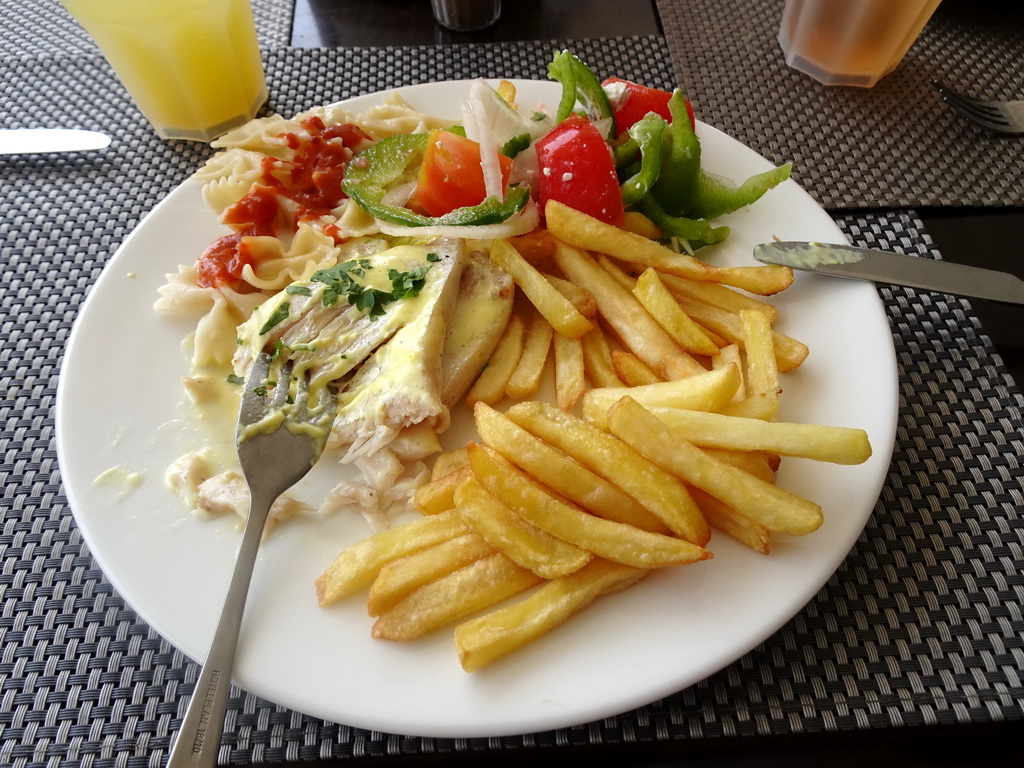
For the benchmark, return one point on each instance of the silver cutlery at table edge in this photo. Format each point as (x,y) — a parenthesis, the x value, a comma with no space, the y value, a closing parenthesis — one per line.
(1000,116)
(894,269)
(26,141)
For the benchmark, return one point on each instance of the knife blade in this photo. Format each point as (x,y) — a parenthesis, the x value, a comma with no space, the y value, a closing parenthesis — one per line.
(17,141)
(894,269)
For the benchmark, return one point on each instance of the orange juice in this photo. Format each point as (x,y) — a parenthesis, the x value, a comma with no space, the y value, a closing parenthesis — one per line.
(192,66)
(851,42)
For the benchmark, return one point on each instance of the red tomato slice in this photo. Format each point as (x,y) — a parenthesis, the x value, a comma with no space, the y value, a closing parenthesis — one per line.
(451,176)
(577,168)
(638,100)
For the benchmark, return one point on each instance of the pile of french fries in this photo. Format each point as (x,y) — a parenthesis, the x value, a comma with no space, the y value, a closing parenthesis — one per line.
(664,427)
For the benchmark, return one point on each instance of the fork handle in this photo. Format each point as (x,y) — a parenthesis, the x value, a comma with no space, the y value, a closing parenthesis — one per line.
(199,736)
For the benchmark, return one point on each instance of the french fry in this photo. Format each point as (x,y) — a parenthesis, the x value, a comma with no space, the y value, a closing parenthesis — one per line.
(758,463)
(490,385)
(448,462)
(487,638)
(536,247)
(762,370)
(400,577)
(580,297)
(730,355)
(450,598)
(612,541)
(525,379)
(789,353)
(767,504)
(570,380)
(615,269)
(721,296)
(357,566)
(436,496)
(662,306)
(837,445)
(707,391)
(597,359)
(587,233)
(730,522)
(562,474)
(633,371)
(753,407)
(662,493)
(638,224)
(521,542)
(557,309)
(635,327)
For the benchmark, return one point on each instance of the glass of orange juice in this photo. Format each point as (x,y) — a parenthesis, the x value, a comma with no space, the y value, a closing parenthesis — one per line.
(851,42)
(193,67)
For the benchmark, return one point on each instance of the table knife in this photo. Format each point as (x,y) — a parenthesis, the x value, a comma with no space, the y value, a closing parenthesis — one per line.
(17,141)
(894,269)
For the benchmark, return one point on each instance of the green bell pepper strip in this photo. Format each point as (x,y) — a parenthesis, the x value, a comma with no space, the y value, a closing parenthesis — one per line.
(369,173)
(676,188)
(626,151)
(579,83)
(648,133)
(716,198)
(696,232)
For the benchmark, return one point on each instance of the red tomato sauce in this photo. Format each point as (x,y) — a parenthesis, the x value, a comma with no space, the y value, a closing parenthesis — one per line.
(311,180)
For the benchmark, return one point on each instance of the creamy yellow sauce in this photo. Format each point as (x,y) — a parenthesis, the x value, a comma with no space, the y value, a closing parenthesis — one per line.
(127,480)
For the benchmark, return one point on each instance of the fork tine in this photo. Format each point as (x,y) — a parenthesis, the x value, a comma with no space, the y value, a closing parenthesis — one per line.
(985,114)
(283,386)
(968,103)
(302,393)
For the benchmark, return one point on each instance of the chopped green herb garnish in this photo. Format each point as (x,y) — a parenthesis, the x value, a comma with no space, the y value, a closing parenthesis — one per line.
(408,284)
(537,116)
(235,379)
(339,282)
(301,290)
(277,316)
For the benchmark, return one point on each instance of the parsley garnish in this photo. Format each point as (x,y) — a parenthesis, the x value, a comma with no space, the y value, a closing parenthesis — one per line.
(279,314)
(339,281)
(234,379)
(408,284)
(298,289)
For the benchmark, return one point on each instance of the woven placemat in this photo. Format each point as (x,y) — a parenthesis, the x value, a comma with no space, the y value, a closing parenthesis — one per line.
(922,623)
(894,145)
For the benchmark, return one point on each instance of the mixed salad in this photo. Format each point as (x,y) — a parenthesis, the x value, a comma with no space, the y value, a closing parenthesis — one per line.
(608,148)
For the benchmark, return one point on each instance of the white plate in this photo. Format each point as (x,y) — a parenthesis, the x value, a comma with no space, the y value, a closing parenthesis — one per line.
(118,404)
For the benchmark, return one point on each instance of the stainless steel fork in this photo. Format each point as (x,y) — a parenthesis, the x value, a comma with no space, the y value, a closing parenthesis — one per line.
(280,436)
(999,116)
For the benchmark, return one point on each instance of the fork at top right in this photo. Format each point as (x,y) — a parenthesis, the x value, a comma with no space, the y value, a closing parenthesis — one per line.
(1005,117)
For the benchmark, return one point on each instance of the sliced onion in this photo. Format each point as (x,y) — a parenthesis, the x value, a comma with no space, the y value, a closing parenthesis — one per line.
(399,195)
(520,223)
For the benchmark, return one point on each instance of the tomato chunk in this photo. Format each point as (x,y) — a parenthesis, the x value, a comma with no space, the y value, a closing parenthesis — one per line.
(451,175)
(577,168)
(637,101)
